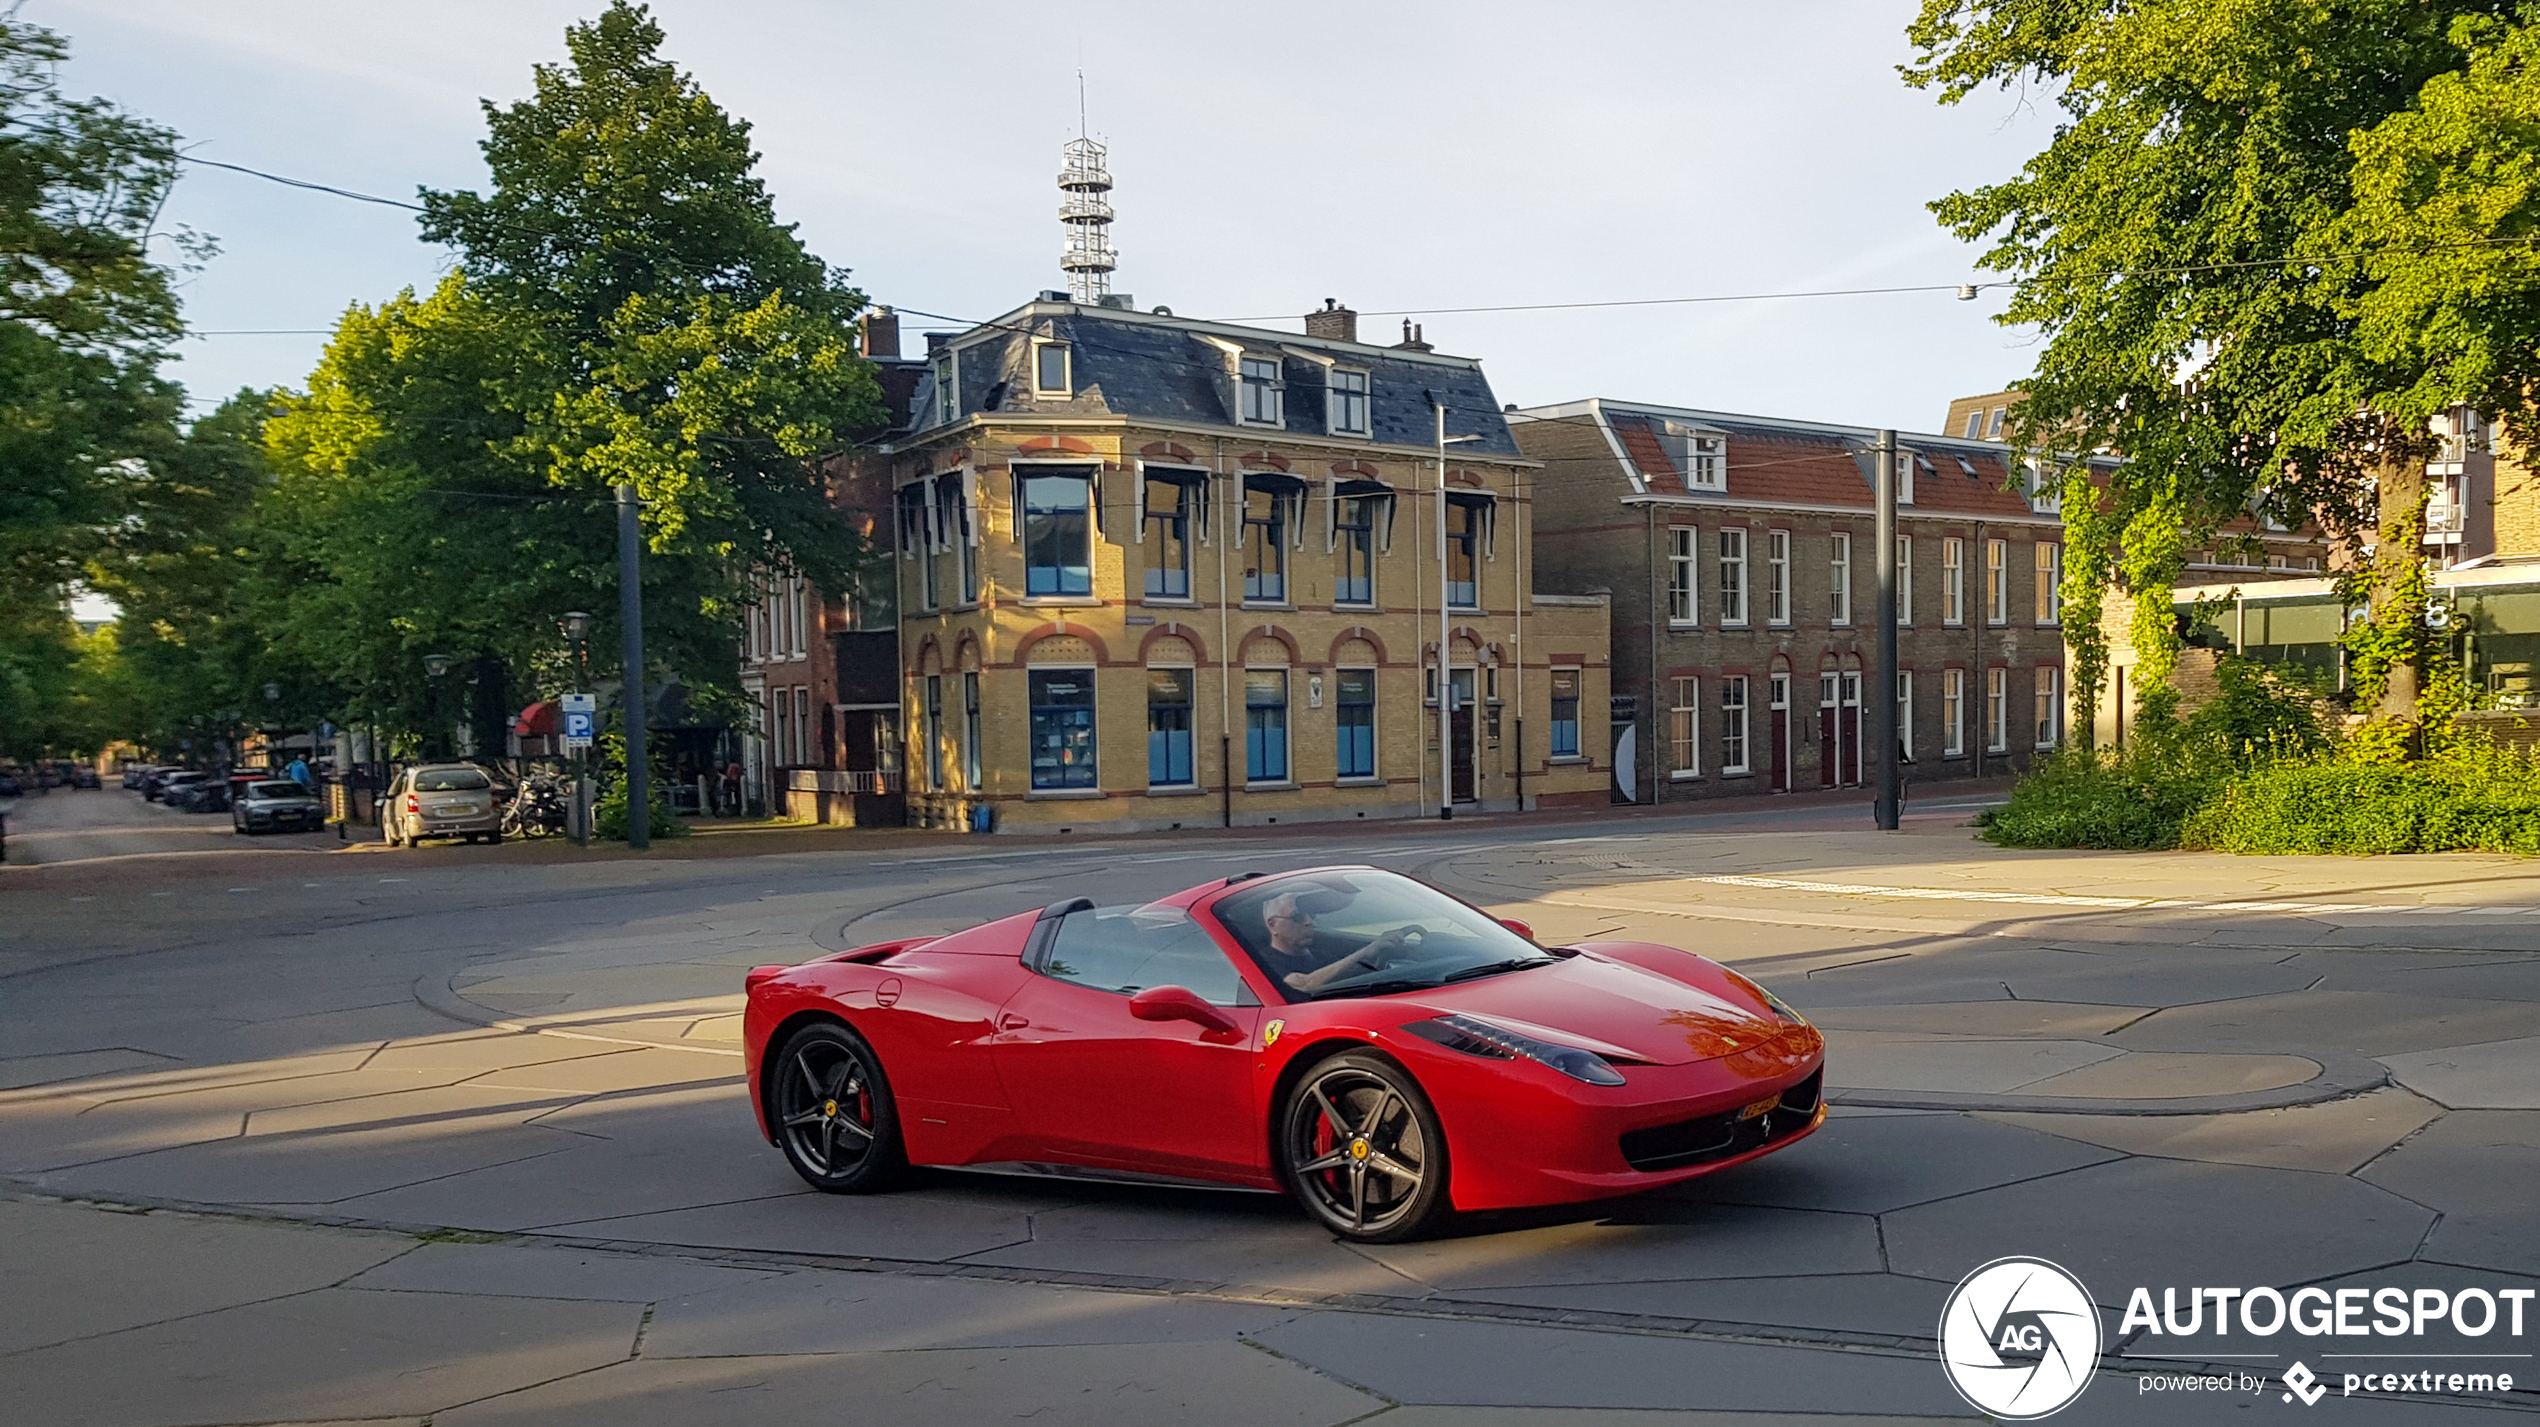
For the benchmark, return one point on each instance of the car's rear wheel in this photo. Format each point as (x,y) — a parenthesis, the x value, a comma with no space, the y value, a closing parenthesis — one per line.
(833,1111)
(1361,1148)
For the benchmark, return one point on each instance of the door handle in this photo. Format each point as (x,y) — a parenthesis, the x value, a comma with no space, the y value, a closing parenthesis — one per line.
(1011,1022)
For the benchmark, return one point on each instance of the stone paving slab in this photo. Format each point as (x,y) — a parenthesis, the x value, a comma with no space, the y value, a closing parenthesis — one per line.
(2049,1019)
(1146,1385)
(2217,1224)
(333,1353)
(1858,1302)
(530,1271)
(72,1271)
(1644,1239)
(2333,1137)
(1445,1363)
(1890,1060)
(2157,1075)
(2497,1075)
(871,1313)
(2478,1167)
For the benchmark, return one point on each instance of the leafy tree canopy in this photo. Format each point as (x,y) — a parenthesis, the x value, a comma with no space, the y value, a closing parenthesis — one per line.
(2269,241)
(626,310)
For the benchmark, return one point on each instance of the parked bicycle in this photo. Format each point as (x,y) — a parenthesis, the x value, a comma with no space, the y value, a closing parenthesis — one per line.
(539,809)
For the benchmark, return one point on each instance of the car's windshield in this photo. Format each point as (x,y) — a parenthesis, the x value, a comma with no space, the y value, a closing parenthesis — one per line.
(1367,933)
(449,780)
(277,790)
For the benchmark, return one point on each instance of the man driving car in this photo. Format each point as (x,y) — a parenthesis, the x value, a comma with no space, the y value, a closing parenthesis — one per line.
(1299,956)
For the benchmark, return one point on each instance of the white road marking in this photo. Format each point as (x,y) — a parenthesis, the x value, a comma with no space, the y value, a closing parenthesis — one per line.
(2059,899)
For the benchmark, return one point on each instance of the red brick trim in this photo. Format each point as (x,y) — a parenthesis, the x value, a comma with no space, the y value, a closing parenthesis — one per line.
(1174,630)
(1076,445)
(1168,450)
(1023,646)
(1270,459)
(1332,655)
(1272,633)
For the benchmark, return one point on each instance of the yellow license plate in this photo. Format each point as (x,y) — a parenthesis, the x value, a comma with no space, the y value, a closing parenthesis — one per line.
(1760,1107)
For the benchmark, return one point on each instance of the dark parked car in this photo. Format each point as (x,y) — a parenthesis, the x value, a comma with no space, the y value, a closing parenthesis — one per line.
(85,777)
(177,785)
(9,786)
(154,783)
(276,805)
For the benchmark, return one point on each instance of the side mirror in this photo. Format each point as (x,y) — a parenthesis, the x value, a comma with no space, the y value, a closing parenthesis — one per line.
(1179,1003)
(1520,928)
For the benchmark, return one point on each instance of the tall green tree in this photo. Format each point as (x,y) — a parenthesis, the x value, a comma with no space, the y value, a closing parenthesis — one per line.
(2232,244)
(626,309)
(87,308)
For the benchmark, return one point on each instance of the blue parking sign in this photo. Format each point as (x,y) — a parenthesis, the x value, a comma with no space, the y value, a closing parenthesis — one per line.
(577,725)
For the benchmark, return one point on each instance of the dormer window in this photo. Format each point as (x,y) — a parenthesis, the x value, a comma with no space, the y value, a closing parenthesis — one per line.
(1703,456)
(1349,403)
(1051,375)
(1261,395)
(947,388)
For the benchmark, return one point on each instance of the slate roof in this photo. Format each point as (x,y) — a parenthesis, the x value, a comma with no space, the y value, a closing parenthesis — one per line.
(1163,368)
(1781,461)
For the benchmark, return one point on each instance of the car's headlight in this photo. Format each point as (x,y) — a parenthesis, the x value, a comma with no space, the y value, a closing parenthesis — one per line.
(1780,1007)
(1477,1037)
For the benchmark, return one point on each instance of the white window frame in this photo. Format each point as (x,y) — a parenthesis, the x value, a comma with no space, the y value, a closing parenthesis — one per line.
(1975,424)
(2050,705)
(1904,715)
(1777,577)
(1272,392)
(1953,713)
(1703,456)
(2050,583)
(1993,428)
(1997,708)
(1041,346)
(1953,581)
(1736,747)
(1733,590)
(947,387)
(1366,399)
(1839,579)
(1906,462)
(1684,750)
(1684,576)
(1997,583)
(1904,581)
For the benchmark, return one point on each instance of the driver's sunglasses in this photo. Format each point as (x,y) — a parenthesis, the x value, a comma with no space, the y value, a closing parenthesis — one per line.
(1300,917)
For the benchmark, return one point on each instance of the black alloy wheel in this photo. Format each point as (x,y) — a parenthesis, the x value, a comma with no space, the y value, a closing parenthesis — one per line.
(1361,1148)
(833,1111)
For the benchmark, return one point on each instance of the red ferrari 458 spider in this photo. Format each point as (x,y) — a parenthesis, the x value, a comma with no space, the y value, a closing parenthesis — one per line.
(1380,1050)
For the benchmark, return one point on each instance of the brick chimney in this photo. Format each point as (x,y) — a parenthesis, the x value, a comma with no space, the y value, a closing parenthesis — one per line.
(1412,340)
(881,334)
(1334,322)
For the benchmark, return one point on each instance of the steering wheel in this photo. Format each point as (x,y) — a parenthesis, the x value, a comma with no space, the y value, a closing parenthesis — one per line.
(1402,939)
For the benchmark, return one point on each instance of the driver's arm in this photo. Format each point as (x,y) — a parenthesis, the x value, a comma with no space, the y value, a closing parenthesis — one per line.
(1314,980)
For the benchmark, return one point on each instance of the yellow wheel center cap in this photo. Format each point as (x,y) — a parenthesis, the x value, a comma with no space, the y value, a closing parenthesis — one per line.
(1360,1149)
(829,1109)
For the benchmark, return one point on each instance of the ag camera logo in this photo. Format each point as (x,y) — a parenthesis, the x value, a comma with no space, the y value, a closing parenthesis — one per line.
(2019,1338)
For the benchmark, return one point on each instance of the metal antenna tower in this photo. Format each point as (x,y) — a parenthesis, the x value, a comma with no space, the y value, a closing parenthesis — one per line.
(1085,212)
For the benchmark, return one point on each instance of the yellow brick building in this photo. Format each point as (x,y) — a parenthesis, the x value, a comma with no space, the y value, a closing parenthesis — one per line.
(1156,574)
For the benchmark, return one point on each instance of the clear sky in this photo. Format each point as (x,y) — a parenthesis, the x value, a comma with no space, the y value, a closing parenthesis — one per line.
(1393,155)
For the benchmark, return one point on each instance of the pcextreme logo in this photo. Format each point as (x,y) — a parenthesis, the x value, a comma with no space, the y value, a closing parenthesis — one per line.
(2019,1338)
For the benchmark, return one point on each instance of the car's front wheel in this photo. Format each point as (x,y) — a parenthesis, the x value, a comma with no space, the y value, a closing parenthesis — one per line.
(1361,1148)
(833,1111)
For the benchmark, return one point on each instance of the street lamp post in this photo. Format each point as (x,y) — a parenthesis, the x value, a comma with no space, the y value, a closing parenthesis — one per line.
(273,720)
(435,665)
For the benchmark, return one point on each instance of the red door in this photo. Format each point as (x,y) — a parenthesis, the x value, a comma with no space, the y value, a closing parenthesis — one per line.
(1093,1085)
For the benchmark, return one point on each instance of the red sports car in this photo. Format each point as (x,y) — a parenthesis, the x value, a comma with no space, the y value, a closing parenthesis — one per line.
(1382,1051)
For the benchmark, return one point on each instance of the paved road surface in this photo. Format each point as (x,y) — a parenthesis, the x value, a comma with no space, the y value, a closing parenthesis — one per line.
(65,825)
(465,1141)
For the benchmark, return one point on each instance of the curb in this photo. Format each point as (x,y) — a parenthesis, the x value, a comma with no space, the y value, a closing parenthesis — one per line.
(2342,1074)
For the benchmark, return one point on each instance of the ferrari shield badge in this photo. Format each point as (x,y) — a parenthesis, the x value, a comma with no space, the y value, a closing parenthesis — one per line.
(1270,1033)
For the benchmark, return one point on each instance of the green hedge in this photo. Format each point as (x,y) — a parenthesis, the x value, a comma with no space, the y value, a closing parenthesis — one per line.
(2477,800)
(2258,770)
